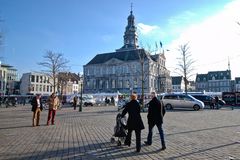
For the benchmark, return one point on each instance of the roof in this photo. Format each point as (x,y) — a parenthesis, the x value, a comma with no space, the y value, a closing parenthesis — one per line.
(213,75)
(219,75)
(237,80)
(129,55)
(6,66)
(177,80)
(201,77)
(69,75)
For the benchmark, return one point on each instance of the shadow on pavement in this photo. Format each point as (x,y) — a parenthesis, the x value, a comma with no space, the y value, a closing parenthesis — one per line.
(15,127)
(205,129)
(93,151)
(204,150)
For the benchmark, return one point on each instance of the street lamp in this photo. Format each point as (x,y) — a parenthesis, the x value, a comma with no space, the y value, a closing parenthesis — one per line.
(80,106)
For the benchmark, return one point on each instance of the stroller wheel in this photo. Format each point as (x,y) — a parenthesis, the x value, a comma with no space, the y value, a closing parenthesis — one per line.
(119,143)
(112,140)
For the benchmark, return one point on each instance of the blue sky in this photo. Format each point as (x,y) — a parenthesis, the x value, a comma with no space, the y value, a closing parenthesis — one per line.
(80,29)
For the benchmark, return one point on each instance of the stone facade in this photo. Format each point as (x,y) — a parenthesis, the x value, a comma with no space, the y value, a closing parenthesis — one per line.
(125,70)
(35,83)
(215,81)
(8,79)
(69,83)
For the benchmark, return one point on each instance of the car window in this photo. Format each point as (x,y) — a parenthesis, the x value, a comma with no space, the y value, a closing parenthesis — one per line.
(185,97)
(170,97)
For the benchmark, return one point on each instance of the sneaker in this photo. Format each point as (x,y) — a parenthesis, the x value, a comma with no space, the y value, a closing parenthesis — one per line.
(147,143)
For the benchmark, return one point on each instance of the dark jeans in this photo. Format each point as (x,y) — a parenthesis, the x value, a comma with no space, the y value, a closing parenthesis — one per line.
(150,132)
(138,139)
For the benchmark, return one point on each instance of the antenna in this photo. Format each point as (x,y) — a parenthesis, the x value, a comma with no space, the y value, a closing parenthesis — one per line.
(229,64)
(131,7)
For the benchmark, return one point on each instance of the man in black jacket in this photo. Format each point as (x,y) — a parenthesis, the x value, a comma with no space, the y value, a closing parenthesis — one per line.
(155,115)
(36,108)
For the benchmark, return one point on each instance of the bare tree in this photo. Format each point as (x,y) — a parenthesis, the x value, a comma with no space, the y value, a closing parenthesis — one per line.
(185,64)
(53,64)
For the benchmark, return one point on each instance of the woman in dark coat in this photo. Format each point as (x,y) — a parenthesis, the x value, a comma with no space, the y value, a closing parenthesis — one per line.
(134,121)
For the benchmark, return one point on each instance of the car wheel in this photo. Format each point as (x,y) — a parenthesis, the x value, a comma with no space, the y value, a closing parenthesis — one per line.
(196,107)
(169,107)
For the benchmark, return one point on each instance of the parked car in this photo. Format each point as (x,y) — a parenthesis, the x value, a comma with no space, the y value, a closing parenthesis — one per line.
(88,101)
(172,101)
(207,100)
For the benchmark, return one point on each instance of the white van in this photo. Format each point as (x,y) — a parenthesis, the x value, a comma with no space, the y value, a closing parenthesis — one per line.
(172,101)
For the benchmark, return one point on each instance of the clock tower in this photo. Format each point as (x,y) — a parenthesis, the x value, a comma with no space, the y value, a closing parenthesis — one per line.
(130,35)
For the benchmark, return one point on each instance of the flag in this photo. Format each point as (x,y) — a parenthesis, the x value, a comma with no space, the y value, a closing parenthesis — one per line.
(156,45)
(161,44)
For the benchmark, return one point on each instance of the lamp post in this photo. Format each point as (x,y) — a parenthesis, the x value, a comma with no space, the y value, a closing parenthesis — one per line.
(80,106)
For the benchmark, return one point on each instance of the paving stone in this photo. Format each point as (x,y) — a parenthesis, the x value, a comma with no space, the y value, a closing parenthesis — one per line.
(207,134)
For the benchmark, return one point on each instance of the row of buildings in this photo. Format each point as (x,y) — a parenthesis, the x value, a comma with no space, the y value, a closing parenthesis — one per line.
(213,81)
(129,68)
(36,82)
(70,83)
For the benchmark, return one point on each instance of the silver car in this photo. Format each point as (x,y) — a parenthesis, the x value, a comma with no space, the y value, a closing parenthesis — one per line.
(172,101)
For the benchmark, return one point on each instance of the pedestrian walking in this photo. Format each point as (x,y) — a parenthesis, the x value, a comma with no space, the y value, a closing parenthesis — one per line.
(217,102)
(75,101)
(155,116)
(134,121)
(36,109)
(53,104)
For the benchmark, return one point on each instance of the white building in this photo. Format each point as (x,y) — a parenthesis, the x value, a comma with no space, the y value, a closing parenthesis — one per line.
(128,69)
(36,83)
(177,84)
(8,79)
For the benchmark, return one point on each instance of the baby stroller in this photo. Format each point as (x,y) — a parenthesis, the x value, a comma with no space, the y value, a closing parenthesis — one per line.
(120,129)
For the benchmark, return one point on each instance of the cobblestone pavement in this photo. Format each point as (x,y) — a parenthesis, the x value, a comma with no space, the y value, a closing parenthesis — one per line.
(207,134)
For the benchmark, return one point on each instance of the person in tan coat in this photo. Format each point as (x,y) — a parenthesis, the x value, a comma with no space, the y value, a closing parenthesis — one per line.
(53,103)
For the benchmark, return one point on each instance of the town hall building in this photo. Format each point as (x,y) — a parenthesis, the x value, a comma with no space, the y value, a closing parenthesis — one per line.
(127,69)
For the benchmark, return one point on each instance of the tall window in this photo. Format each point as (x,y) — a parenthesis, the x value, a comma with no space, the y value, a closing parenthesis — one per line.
(120,84)
(40,88)
(44,88)
(32,78)
(37,79)
(113,84)
(100,84)
(41,79)
(37,88)
(32,87)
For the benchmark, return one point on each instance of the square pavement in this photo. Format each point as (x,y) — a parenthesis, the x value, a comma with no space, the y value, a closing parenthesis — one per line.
(206,134)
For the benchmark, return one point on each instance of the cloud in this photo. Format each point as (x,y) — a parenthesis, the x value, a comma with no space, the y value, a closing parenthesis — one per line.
(212,42)
(147,29)
(150,34)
